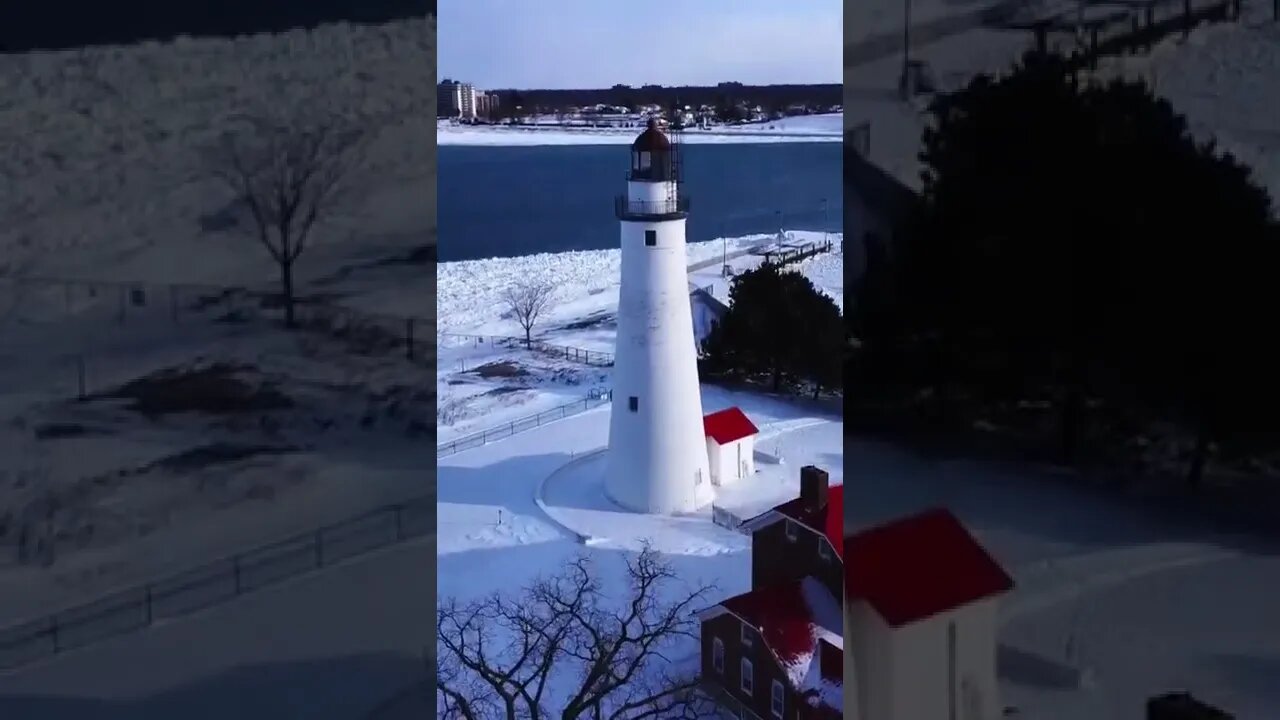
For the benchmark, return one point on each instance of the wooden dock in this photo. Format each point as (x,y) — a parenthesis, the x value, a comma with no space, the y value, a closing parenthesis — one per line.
(1086,30)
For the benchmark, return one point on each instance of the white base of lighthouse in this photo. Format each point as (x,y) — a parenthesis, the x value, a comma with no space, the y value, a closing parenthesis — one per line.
(657,461)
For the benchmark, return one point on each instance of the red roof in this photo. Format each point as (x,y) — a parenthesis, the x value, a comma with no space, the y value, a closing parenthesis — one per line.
(727,425)
(919,566)
(793,618)
(828,520)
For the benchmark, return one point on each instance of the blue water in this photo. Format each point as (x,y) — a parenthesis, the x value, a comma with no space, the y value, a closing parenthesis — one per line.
(510,201)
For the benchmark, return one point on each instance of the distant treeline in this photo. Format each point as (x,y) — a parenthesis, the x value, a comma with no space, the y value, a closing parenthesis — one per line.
(768,96)
(65,24)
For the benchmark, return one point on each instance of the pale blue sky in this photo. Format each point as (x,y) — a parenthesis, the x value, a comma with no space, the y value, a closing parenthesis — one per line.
(496,44)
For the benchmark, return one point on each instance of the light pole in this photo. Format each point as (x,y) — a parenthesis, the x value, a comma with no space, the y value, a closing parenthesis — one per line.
(724,252)
(906,50)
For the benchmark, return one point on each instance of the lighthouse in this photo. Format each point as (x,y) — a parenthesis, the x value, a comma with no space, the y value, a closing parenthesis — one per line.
(657,458)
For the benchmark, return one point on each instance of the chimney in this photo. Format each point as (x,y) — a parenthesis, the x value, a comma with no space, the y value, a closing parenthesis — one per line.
(813,487)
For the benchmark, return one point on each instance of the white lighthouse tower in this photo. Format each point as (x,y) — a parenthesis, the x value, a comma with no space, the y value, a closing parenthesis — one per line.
(657,459)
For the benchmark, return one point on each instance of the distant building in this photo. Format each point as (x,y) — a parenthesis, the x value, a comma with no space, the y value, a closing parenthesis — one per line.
(486,104)
(456,100)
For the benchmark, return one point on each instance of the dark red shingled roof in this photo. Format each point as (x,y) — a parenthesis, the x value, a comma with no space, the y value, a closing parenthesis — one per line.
(789,615)
(727,425)
(919,566)
(829,520)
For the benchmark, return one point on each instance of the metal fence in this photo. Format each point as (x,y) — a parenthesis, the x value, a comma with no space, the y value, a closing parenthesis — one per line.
(529,422)
(214,583)
(595,358)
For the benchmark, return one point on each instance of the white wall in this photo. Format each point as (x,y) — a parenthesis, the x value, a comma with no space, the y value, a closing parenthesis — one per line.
(870,645)
(658,455)
(903,673)
(724,463)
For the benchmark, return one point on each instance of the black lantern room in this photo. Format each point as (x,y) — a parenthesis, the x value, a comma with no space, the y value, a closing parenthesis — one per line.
(654,158)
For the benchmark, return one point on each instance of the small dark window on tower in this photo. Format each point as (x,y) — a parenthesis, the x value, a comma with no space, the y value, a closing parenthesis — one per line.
(651,237)
(633,403)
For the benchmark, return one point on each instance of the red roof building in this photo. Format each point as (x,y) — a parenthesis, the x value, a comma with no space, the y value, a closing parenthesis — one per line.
(726,426)
(786,634)
(919,566)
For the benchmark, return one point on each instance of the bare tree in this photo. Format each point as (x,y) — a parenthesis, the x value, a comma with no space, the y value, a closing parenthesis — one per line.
(289,175)
(529,301)
(499,656)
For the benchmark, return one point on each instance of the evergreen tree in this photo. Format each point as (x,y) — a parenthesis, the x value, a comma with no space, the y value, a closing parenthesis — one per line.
(778,327)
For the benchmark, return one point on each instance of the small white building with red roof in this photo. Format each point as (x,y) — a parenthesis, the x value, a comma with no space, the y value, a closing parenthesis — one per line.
(730,438)
(921,599)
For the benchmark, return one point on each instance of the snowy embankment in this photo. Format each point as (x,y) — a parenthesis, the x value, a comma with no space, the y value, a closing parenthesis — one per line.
(102,156)
(482,386)
(805,128)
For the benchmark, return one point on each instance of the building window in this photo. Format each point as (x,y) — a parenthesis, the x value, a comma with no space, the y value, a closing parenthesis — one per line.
(792,531)
(717,655)
(776,696)
(651,238)
(642,160)
(633,403)
(745,636)
(824,550)
(748,677)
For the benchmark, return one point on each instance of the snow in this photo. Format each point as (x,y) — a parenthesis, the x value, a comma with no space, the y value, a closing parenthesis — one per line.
(1220,78)
(804,128)
(104,181)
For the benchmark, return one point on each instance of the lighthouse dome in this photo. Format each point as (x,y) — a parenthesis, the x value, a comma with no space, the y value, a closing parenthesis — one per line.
(652,139)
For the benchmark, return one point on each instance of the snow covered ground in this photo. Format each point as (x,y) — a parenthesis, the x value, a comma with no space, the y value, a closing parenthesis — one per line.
(804,128)
(103,181)
(482,386)
(1222,78)
(519,507)
(1081,635)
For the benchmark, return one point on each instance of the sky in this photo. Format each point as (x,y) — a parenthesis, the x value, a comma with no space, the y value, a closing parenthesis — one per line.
(545,44)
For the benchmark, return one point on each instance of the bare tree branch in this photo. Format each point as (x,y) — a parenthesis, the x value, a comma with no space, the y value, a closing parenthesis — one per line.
(289,174)
(565,628)
(529,301)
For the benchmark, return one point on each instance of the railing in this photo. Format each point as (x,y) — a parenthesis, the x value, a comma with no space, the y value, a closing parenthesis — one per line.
(596,358)
(528,422)
(628,209)
(138,608)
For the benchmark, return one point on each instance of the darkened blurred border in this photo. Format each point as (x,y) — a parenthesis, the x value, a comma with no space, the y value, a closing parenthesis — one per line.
(61,24)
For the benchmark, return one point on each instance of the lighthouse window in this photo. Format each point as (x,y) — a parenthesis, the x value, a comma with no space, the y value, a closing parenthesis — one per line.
(643,160)
(633,403)
(651,237)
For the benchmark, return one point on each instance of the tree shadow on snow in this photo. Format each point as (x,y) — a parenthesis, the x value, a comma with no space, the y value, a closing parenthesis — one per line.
(346,688)
(1024,503)
(508,484)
